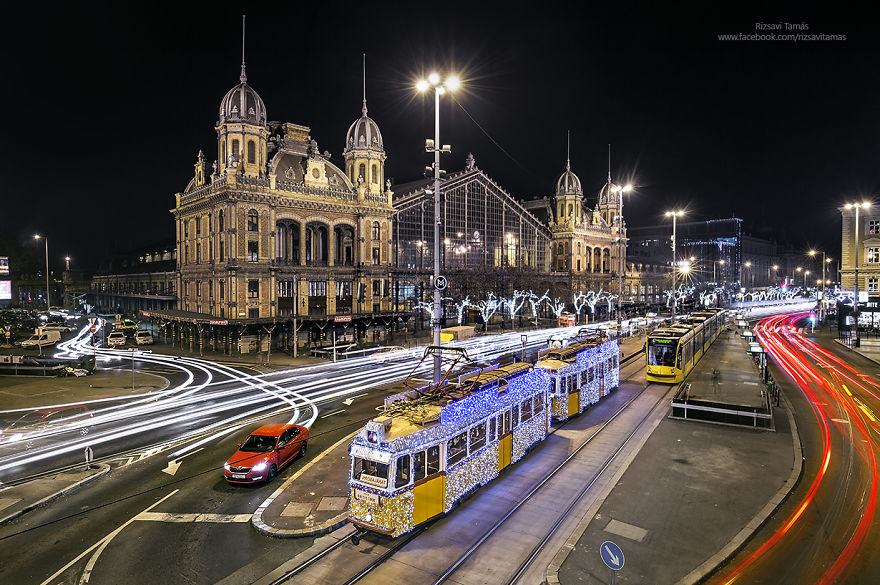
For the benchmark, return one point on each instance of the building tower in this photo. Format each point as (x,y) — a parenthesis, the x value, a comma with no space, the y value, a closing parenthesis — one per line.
(364,151)
(569,194)
(242,130)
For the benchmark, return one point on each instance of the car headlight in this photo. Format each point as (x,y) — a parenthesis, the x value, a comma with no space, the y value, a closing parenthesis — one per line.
(259,466)
(226,466)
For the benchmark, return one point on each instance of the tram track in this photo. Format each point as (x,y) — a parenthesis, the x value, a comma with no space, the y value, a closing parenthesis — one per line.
(630,366)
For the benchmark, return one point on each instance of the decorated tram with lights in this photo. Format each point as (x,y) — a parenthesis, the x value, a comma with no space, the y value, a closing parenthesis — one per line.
(671,352)
(580,374)
(433,445)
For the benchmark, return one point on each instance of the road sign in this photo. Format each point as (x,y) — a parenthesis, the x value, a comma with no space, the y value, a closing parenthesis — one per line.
(440,282)
(93,328)
(611,555)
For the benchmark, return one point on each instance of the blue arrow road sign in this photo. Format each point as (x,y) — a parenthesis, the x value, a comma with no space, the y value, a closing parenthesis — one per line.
(612,555)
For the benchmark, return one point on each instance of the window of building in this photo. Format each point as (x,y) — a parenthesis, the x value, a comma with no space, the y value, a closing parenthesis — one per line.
(375,174)
(873,255)
(253,221)
(317,288)
(376,257)
(186,229)
(198,253)
(234,152)
(253,251)
(252,152)
(198,288)
(186,253)
(210,225)
(253,313)
(343,289)
(198,222)
(220,220)
(186,288)
(874,284)
(377,288)
(873,227)
(377,231)
(253,289)
(222,289)
(286,288)
(221,249)
(362,171)
(210,289)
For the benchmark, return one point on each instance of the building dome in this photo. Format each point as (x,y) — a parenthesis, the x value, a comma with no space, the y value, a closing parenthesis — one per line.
(568,183)
(364,134)
(243,104)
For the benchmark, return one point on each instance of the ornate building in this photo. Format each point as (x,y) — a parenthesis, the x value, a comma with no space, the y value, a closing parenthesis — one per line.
(277,230)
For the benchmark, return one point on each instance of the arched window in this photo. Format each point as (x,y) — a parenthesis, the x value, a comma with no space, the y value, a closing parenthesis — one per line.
(252,152)
(220,220)
(362,171)
(253,221)
(234,152)
(377,231)
(375,174)
(223,152)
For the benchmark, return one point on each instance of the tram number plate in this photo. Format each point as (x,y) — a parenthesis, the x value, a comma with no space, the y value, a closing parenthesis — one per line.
(368,496)
(239,475)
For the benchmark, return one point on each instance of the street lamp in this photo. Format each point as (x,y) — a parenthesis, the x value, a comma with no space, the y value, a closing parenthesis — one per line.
(824,261)
(806,274)
(856,206)
(673,215)
(440,87)
(713,269)
(747,264)
(621,265)
(46,241)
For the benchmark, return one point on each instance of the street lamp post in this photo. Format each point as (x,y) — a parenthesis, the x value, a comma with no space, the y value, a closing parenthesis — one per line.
(673,215)
(822,302)
(46,241)
(856,206)
(452,83)
(621,264)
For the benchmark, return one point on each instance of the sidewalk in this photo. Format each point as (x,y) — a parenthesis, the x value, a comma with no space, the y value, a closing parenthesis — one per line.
(693,494)
(16,500)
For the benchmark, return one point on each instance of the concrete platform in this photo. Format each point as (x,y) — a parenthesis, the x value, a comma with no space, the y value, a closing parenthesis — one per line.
(725,387)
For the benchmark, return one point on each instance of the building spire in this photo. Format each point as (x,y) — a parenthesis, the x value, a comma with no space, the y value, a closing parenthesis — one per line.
(568,151)
(243,76)
(364,108)
(609,165)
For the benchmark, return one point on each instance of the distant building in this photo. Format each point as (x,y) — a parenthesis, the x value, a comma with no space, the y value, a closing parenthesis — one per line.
(145,280)
(868,246)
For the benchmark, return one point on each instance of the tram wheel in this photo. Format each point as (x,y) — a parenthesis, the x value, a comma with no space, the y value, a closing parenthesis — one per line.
(355,539)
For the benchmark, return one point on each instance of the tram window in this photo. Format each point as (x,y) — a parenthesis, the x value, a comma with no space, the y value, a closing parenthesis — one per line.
(478,437)
(493,426)
(419,465)
(678,364)
(584,379)
(573,383)
(505,426)
(375,469)
(592,375)
(661,355)
(539,404)
(514,417)
(456,449)
(433,459)
(401,477)
(526,409)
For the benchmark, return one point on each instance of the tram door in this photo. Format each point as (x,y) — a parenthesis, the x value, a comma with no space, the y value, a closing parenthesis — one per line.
(505,442)
(430,485)
(574,403)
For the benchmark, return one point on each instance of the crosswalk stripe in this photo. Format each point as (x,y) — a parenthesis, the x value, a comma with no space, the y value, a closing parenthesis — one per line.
(171,517)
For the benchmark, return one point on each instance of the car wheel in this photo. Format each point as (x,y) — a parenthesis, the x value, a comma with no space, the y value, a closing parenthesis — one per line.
(302,449)
(271,475)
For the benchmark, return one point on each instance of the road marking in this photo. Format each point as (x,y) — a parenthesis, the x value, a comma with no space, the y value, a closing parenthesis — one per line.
(172,517)
(348,401)
(333,412)
(174,464)
(101,543)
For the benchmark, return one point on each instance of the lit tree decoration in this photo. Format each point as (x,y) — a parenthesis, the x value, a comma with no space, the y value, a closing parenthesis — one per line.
(487,308)
(557,306)
(461,307)
(580,301)
(535,301)
(514,303)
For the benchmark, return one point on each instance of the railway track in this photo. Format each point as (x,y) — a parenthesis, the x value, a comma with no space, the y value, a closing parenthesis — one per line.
(344,553)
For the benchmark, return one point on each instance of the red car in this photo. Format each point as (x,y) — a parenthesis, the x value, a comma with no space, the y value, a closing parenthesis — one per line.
(266,450)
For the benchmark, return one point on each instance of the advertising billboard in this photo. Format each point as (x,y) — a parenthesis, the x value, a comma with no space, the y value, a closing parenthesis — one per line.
(4,265)
(5,290)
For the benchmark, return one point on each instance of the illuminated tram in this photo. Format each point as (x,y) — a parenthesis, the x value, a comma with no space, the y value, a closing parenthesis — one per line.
(580,374)
(671,352)
(432,446)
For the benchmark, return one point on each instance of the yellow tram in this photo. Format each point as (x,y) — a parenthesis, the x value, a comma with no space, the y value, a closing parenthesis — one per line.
(671,352)
(580,374)
(432,447)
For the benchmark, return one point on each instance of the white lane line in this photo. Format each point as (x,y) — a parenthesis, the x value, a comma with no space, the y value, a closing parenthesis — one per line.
(334,412)
(101,543)
(172,517)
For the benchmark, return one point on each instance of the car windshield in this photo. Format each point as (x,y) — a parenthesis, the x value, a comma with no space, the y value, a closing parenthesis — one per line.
(258,444)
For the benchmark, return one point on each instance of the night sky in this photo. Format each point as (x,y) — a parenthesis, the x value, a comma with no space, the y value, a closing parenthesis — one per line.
(106,111)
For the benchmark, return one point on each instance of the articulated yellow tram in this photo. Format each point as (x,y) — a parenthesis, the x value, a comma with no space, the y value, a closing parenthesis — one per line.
(432,446)
(580,374)
(672,352)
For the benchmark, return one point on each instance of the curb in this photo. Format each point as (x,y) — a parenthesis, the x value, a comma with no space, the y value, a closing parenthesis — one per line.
(58,494)
(329,526)
(712,563)
(842,344)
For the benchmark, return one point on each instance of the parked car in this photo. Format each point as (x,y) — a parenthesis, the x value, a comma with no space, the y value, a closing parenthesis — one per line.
(143,337)
(267,450)
(116,339)
(42,339)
